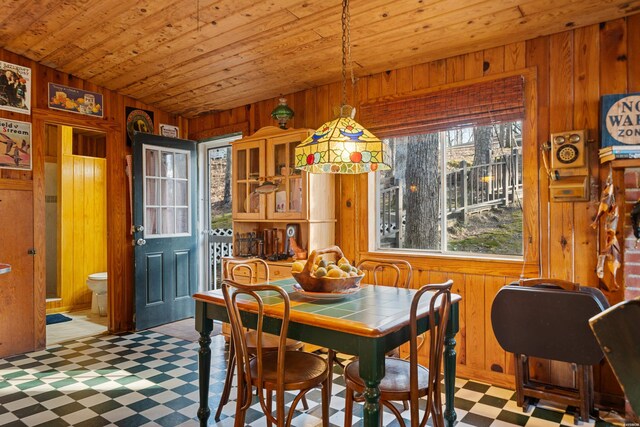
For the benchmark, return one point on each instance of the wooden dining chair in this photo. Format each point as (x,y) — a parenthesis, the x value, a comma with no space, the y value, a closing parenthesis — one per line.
(247,270)
(271,371)
(387,271)
(407,380)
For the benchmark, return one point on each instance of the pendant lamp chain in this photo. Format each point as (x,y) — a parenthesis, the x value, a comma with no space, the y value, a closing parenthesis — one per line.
(343,145)
(346,51)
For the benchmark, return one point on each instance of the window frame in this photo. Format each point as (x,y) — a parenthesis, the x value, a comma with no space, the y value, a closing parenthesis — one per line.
(444,241)
(529,263)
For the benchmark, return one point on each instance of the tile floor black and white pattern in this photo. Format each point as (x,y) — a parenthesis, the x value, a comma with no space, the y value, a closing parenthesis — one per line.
(150,379)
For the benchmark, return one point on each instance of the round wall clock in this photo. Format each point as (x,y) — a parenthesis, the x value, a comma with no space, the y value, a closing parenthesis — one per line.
(140,121)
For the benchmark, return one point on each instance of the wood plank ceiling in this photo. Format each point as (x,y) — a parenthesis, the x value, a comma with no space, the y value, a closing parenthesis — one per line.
(193,56)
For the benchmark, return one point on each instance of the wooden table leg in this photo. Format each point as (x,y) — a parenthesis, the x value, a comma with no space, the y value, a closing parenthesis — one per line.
(204,326)
(372,372)
(450,365)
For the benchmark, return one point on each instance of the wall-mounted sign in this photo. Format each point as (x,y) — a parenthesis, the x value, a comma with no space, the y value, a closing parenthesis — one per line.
(15,88)
(138,120)
(75,100)
(169,130)
(15,144)
(620,119)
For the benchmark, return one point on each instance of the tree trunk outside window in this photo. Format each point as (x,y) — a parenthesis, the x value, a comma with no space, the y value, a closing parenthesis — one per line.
(422,192)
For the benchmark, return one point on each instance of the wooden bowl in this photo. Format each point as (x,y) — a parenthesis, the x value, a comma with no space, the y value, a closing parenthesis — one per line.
(324,284)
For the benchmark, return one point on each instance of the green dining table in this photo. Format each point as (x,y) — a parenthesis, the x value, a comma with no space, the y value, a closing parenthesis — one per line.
(367,324)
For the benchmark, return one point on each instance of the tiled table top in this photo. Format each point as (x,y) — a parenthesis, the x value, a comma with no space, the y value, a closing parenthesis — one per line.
(372,311)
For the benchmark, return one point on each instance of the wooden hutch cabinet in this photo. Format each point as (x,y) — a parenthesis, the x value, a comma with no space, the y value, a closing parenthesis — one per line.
(296,202)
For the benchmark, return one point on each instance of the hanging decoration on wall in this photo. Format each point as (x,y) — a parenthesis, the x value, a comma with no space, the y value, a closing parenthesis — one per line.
(75,100)
(15,88)
(610,256)
(138,121)
(620,120)
(15,144)
(169,130)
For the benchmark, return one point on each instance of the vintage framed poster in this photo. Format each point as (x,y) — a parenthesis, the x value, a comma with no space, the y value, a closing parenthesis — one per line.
(15,88)
(15,144)
(74,100)
(620,119)
(169,130)
(139,121)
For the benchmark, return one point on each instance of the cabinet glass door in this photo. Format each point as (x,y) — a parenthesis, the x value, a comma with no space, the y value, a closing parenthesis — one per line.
(248,169)
(287,200)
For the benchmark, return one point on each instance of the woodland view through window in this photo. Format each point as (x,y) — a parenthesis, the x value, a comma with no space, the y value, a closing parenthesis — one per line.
(454,191)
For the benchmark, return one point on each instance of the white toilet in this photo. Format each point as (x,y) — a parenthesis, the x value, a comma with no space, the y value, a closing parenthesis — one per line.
(97,282)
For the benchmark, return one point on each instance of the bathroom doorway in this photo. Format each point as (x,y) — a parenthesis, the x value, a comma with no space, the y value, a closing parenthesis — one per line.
(76,232)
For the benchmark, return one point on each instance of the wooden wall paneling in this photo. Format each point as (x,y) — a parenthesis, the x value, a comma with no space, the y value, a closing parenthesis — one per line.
(388,82)
(475,325)
(404,80)
(561,119)
(455,69)
(562,231)
(310,109)
(334,98)
(437,72)
(613,68)
(537,56)
(374,86)
(585,116)
(420,76)
(495,356)
(300,113)
(39,237)
(514,56)
(461,340)
(531,178)
(473,65)
(613,79)
(510,357)
(633,53)
(493,60)
(120,251)
(323,111)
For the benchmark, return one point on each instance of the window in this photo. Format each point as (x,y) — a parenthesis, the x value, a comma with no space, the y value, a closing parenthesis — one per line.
(456,185)
(166,192)
(454,191)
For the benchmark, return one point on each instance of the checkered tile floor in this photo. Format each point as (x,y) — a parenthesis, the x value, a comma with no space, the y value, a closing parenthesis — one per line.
(150,379)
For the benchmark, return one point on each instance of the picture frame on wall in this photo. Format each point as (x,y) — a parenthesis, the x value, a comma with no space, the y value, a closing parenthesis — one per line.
(138,120)
(15,144)
(15,88)
(73,100)
(169,130)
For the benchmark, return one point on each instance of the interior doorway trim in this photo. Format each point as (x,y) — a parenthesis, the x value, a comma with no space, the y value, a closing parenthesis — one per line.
(204,220)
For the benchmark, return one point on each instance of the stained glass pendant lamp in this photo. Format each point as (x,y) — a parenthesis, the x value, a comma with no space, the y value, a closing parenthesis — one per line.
(343,145)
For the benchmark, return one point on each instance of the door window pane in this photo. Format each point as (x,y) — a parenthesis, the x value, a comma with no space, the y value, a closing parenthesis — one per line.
(166,165)
(166,187)
(166,192)
(151,162)
(167,220)
(182,195)
(182,220)
(180,165)
(152,191)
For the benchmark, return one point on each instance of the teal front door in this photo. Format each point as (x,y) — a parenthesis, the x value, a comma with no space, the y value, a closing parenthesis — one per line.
(164,229)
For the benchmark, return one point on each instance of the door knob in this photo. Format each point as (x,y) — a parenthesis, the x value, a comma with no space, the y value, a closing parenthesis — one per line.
(141,242)
(137,228)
